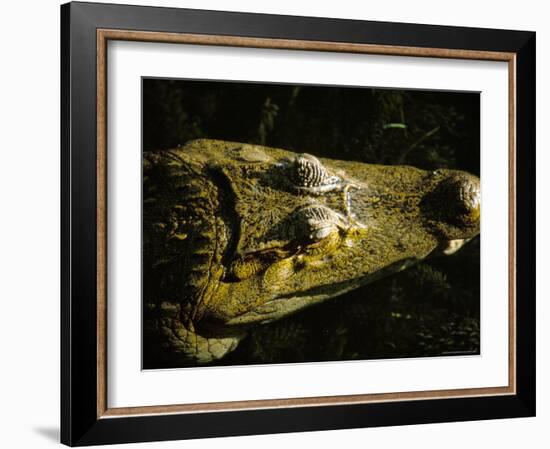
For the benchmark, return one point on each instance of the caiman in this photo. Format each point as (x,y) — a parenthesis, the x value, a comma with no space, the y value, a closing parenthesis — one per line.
(236,235)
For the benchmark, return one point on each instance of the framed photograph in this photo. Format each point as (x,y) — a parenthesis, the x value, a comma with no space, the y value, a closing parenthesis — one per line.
(281,224)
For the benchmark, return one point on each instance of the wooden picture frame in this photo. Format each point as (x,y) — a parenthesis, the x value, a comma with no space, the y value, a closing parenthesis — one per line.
(86,418)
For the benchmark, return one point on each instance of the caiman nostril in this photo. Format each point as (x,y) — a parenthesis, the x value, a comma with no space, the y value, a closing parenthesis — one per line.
(463,193)
(456,200)
(469,196)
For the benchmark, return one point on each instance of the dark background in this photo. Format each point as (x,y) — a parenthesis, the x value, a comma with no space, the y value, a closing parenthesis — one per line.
(431,309)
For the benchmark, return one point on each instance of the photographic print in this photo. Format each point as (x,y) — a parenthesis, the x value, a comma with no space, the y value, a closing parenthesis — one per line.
(304,223)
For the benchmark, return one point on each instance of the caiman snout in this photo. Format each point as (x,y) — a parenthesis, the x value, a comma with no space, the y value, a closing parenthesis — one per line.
(407,208)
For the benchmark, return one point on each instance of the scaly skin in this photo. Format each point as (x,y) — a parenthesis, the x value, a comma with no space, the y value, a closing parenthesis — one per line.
(236,235)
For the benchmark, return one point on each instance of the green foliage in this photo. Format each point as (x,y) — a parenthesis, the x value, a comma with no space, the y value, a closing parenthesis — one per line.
(421,128)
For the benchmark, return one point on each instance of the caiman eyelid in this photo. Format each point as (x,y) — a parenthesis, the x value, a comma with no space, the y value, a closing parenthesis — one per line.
(309,173)
(316,222)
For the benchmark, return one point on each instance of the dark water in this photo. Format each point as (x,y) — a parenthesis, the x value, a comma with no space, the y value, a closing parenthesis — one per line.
(429,310)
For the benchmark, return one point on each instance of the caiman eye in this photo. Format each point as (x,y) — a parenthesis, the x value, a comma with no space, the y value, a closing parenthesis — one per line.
(309,174)
(315,223)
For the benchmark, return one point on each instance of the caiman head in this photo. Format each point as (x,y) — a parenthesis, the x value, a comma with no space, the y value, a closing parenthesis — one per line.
(293,230)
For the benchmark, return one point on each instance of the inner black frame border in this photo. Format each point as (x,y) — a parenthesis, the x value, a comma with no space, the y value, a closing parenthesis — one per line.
(80,424)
